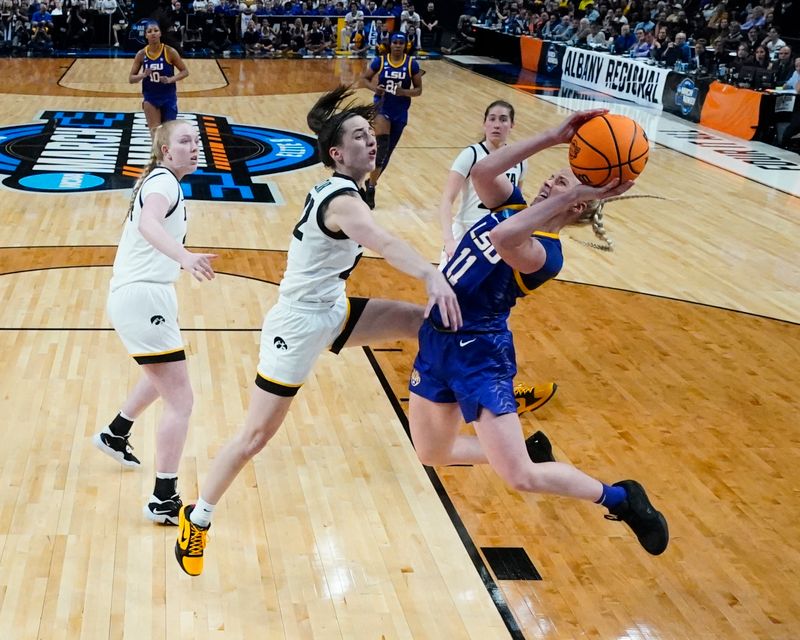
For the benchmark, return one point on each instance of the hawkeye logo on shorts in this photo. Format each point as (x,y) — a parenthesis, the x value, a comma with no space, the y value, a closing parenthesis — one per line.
(80,151)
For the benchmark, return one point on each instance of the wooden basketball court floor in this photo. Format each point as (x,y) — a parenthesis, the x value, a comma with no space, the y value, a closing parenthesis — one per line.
(677,359)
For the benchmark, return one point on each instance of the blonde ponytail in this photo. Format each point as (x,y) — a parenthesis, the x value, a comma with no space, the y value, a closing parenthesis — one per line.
(593,213)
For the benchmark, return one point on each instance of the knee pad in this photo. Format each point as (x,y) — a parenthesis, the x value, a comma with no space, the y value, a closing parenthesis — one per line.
(383,149)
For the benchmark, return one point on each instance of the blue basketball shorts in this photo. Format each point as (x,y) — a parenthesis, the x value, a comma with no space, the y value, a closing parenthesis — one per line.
(476,370)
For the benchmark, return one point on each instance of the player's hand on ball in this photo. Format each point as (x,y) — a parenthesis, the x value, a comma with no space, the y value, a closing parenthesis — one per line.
(564,132)
(586,193)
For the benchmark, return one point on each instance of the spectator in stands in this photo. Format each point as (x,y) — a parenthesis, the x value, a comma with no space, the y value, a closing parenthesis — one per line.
(793,83)
(734,36)
(743,58)
(703,60)
(596,37)
(783,66)
(643,44)
(548,31)
(79,29)
(350,19)
(592,14)
(581,33)
(119,22)
(761,57)
(251,39)
(328,33)
(677,51)
(773,42)
(41,41)
(625,40)
(565,29)
(358,40)
(511,23)
(176,18)
(646,24)
(755,19)
(220,40)
(315,41)
(410,17)
(431,29)
(463,41)
(42,15)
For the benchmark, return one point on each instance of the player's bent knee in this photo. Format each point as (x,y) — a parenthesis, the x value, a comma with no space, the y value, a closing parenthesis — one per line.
(524,478)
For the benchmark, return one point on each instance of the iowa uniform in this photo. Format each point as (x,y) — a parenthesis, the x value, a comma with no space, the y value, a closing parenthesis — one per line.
(475,366)
(471,209)
(142,304)
(312,313)
(160,95)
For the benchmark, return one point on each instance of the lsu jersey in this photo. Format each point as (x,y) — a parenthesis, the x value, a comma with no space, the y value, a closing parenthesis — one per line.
(320,260)
(471,209)
(157,66)
(137,260)
(487,288)
(393,76)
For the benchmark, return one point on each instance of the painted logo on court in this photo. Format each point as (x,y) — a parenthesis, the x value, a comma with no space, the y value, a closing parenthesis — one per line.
(82,151)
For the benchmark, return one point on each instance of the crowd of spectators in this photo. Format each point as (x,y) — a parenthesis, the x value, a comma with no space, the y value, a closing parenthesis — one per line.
(257,28)
(715,37)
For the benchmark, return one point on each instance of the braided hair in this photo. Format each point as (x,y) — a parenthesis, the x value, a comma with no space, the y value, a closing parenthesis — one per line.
(593,213)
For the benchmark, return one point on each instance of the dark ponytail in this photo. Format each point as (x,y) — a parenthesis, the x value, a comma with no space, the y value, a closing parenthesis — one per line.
(328,115)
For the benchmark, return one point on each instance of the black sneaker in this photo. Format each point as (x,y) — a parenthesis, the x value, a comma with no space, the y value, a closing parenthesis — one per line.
(539,448)
(369,195)
(118,447)
(639,514)
(163,511)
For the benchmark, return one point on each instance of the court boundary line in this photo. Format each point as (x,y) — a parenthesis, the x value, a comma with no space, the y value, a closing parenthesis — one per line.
(494,591)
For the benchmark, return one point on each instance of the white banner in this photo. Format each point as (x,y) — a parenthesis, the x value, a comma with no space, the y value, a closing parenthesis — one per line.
(625,78)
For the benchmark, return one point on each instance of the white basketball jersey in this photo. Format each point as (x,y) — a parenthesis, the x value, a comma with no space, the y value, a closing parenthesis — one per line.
(137,260)
(471,210)
(320,260)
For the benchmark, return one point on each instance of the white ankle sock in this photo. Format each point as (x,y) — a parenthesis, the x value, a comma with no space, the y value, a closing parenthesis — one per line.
(201,514)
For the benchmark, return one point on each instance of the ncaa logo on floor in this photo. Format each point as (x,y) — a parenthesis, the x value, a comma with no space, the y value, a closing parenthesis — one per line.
(82,151)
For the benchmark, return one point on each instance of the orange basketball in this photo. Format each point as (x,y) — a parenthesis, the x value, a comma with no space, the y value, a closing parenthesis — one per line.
(608,147)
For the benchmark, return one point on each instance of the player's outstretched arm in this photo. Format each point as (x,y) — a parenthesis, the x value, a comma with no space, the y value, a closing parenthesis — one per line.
(352,215)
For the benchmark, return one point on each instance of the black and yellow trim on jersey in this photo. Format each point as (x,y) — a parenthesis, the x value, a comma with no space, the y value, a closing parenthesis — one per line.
(518,277)
(282,389)
(406,60)
(160,51)
(174,355)
(355,307)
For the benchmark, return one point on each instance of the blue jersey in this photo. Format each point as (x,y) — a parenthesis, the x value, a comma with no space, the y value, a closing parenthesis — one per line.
(153,90)
(487,288)
(394,76)
(475,366)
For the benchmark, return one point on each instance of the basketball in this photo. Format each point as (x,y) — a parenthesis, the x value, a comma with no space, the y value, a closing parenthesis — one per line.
(608,147)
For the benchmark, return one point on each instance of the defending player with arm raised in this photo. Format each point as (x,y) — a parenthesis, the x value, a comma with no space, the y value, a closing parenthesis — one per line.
(313,312)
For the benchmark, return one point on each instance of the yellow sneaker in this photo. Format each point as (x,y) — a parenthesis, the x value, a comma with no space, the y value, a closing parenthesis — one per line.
(531,398)
(192,539)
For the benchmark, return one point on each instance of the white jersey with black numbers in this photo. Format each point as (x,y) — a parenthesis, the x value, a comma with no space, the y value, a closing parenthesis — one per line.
(471,209)
(320,260)
(137,260)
